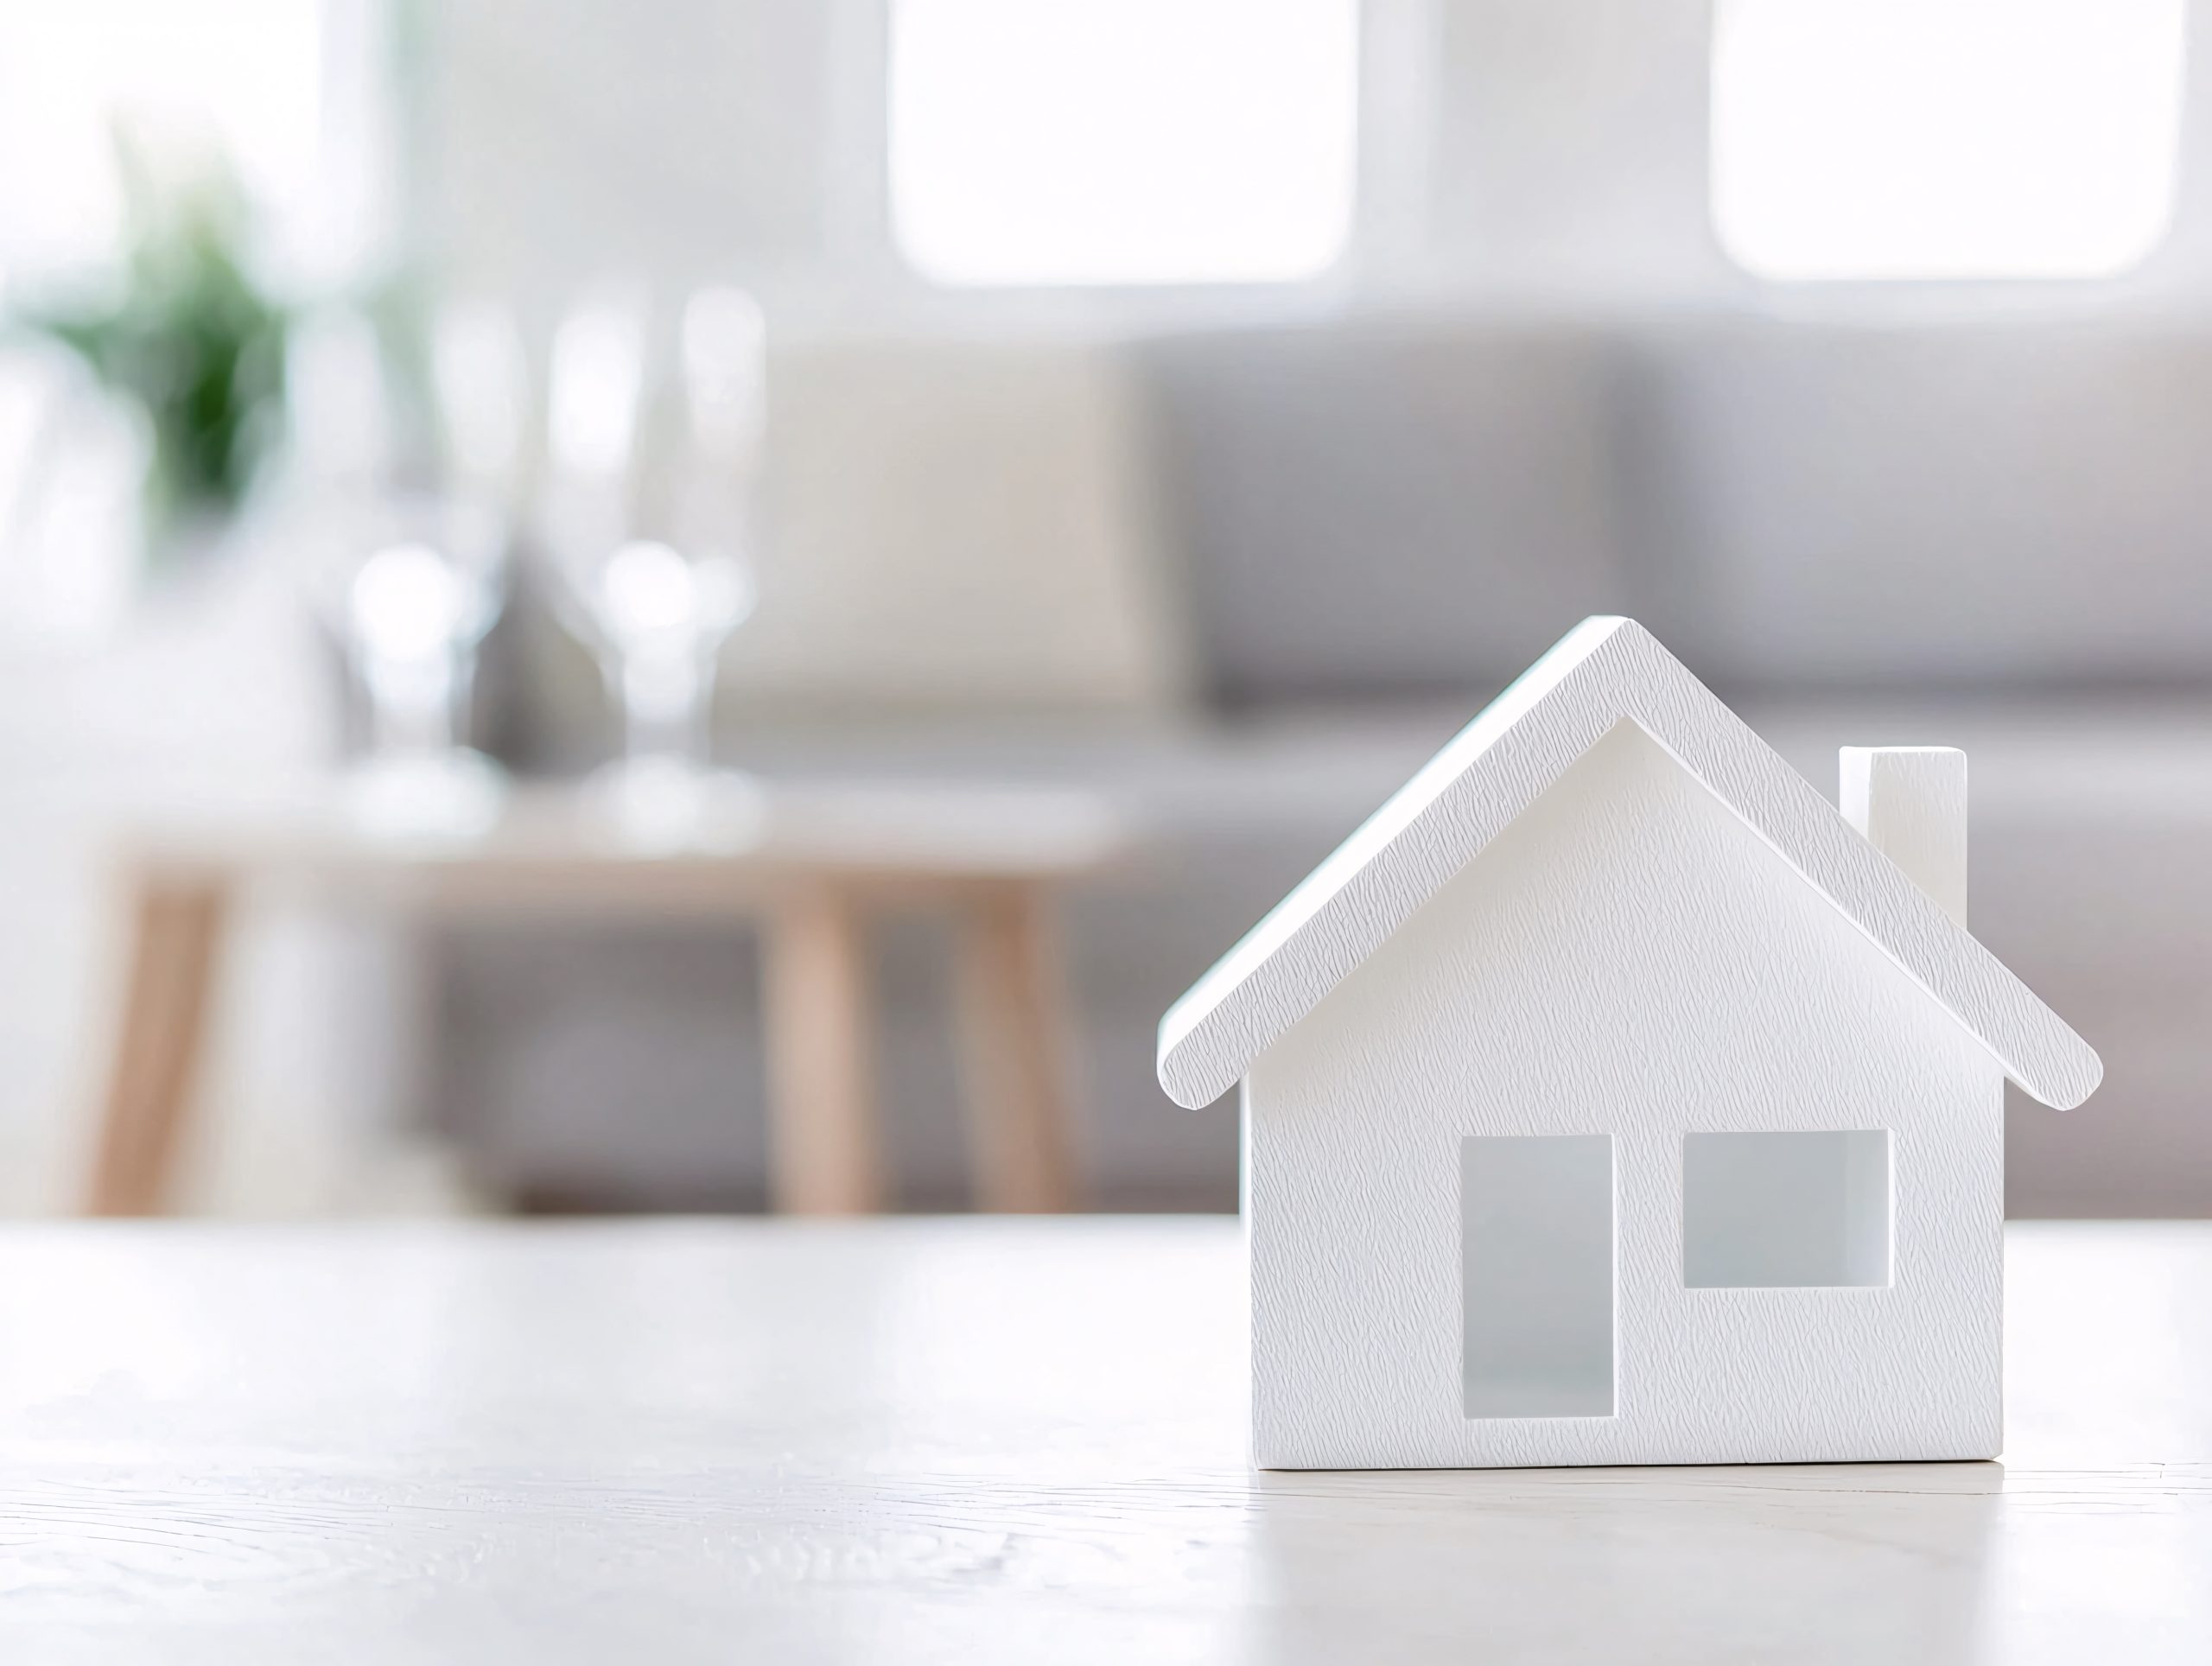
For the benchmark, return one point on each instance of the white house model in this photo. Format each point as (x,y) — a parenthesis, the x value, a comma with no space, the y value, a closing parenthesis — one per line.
(1610,1098)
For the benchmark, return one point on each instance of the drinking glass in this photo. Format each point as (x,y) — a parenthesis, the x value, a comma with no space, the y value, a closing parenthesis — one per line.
(413,609)
(410,582)
(650,519)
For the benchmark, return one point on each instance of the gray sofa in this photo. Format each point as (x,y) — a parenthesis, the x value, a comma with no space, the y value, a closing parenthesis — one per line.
(1993,536)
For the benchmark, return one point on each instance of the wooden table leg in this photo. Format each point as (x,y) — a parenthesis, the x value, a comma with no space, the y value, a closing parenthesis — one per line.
(1013,1025)
(176,926)
(825,1148)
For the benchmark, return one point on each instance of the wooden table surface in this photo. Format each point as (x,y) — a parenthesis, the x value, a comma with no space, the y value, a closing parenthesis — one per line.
(981,1440)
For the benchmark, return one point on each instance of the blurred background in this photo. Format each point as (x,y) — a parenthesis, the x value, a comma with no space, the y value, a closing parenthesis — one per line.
(1100,445)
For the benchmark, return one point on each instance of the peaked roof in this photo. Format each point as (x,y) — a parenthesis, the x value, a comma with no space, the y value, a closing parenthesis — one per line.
(1601,672)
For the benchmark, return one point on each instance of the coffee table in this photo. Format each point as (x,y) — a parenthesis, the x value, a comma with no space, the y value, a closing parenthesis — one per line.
(814,864)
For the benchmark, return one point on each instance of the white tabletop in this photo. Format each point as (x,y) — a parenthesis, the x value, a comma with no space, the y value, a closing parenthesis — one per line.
(981,1441)
(355,828)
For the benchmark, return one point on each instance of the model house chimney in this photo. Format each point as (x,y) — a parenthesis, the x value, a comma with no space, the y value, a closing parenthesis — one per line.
(1911,802)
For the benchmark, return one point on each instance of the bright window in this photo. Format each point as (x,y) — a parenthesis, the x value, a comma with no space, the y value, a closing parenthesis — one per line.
(1944,138)
(1064,142)
(287,95)
(287,92)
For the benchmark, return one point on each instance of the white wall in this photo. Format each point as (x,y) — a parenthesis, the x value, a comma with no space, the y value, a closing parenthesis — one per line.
(1516,154)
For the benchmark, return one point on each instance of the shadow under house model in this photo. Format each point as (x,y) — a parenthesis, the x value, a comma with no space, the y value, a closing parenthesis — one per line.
(1609,1098)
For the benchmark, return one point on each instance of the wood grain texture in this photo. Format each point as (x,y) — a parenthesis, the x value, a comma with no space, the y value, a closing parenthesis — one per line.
(824,1126)
(175,929)
(1014,1027)
(1626,959)
(981,1441)
(1603,672)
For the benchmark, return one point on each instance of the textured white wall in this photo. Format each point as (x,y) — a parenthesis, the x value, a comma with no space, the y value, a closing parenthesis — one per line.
(1628,957)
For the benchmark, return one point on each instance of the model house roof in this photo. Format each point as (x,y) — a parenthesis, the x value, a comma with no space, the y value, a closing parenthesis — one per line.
(1603,672)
